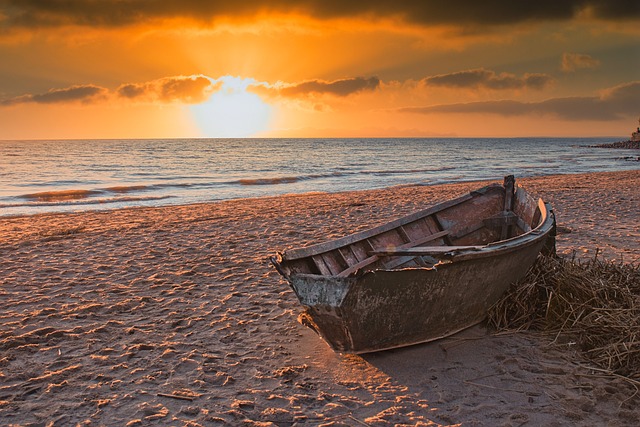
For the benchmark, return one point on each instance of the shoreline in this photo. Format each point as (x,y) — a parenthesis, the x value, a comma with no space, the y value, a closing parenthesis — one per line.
(173,315)
(398,194)
(312,193)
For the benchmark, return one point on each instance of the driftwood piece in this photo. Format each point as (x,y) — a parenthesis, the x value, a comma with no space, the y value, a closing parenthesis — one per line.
(176,396)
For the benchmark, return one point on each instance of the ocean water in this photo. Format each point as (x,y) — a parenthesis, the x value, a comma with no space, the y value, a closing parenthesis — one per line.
(79,175)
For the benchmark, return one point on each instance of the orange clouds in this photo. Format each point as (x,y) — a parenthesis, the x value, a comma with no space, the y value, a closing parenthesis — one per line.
(182,89)
(345,102)
(341,87)
(482,78)
(614,103)
(189,90)
(350,66)
(194,90)
(85,94)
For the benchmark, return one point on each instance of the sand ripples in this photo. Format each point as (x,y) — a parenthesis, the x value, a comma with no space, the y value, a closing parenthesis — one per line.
(174,316)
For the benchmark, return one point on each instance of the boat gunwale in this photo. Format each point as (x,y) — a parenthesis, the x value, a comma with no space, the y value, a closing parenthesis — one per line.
(319,248)
(461,253)
(499,247)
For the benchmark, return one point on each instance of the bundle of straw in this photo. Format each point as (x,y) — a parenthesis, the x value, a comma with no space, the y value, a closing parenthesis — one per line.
(594,304)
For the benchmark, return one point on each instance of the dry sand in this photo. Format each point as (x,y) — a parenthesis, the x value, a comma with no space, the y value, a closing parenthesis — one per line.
(173,316)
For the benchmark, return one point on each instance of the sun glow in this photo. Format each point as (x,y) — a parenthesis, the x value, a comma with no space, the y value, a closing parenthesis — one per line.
(232,112)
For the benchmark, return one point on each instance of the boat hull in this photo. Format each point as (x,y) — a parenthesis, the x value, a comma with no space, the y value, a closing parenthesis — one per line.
(388,309)
(421,277)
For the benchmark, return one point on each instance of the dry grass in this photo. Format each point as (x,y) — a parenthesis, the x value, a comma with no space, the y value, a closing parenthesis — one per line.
(595,304)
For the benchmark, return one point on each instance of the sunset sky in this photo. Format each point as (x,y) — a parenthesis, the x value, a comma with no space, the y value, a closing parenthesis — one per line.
(318,68)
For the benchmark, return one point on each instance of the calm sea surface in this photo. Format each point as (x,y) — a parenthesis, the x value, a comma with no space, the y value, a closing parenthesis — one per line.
(77,175)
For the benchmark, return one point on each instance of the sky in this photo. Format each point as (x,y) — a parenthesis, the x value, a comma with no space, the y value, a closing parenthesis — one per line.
(318,68)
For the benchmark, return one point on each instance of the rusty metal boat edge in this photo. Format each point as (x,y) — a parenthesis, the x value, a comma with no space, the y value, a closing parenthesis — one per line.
(401,292)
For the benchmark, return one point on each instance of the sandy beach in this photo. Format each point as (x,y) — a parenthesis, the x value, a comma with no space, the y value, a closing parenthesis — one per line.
(173,316)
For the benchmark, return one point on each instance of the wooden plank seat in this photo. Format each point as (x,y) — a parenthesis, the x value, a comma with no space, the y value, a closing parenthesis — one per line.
(370,260)
(504,218)
(423,250)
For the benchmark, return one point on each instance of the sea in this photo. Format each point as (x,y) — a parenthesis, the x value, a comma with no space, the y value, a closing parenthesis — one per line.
(80,175)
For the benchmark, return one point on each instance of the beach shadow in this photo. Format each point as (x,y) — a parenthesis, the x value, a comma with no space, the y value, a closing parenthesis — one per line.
(447,362)
(471,375)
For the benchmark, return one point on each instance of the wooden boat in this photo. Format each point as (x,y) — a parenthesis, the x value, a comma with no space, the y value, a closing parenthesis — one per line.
(422,277)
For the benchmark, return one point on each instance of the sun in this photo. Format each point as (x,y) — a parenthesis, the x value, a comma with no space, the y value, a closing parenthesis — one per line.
(232,112)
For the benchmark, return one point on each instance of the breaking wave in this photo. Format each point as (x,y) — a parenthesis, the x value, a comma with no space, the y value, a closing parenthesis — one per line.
(127,188)
(81,202)
(292,179)
(70,197)
(269,181)
(59,196)
(81,194)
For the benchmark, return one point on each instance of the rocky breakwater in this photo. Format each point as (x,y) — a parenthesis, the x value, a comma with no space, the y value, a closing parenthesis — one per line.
(635,145)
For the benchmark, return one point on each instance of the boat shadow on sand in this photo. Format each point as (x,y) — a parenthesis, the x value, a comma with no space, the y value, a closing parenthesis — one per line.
(512,378)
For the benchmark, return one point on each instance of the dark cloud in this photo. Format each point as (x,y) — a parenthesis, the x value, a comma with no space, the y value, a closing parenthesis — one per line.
(620,9)
(537,81)
(132,90)
(482,78)
(186,89)
(615,103)
(34,13)
(343,87)
(626,97)
(85,93)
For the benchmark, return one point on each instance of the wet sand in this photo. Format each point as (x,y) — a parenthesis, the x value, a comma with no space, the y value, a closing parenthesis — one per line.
(173,316)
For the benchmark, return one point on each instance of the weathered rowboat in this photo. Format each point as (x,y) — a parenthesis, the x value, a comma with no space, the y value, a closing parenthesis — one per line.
(422,277)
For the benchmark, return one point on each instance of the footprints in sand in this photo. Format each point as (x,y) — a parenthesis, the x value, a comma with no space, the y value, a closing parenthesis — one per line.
(174,316)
